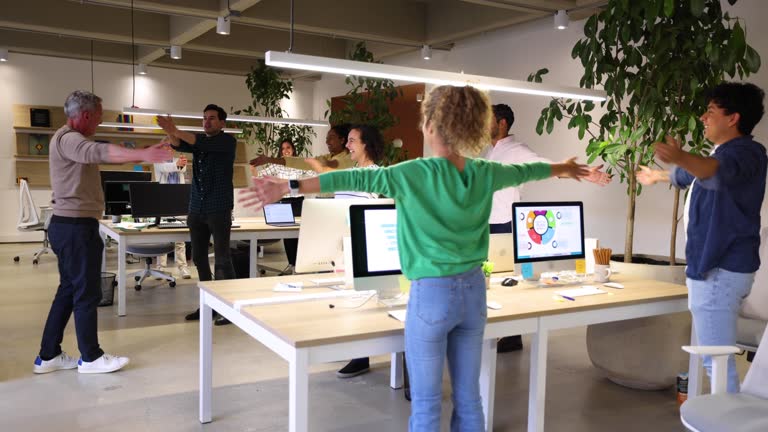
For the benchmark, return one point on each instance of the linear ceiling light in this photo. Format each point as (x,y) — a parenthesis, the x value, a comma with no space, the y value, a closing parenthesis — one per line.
(233,118)
(384,71)
(156,127)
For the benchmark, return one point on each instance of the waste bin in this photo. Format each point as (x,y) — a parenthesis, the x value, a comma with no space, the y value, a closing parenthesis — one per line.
(108,284)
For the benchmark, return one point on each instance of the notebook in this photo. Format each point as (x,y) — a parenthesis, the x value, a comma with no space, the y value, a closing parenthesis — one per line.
(279,214)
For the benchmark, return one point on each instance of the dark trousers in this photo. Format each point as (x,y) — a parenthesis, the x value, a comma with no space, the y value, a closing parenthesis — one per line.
(78,248)
(291,247)
(502,228)
(201,227)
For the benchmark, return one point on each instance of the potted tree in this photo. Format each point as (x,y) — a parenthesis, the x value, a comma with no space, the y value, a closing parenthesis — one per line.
(366,102)
(267,90)
(655,59)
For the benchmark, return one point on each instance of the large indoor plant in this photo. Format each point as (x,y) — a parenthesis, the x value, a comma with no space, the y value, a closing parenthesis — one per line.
(267,90)
(655,60)
(367,102)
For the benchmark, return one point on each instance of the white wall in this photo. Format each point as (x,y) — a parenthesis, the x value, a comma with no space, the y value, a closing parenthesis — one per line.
(28,79)
(514,53)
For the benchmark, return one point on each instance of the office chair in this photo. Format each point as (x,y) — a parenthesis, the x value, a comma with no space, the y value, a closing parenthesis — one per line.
(734,412)
(753,316)
(149,251)
(30,220)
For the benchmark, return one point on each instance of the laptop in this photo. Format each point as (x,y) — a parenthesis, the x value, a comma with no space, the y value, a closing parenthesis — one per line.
(279,215)
(500,252)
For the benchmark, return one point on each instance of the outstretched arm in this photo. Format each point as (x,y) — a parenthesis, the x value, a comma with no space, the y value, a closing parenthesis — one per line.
(266,190)
(597,176)
(647,176)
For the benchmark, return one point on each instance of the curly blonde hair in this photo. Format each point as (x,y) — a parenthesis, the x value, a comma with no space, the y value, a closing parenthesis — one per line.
(461,117)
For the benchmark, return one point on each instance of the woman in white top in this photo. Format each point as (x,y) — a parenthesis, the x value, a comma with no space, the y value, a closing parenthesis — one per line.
(173,172)
(366,148)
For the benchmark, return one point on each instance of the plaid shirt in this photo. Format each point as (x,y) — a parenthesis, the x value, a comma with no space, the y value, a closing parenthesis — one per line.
(212,170)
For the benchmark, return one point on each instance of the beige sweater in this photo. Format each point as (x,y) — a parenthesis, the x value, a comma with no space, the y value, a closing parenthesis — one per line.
(75,178)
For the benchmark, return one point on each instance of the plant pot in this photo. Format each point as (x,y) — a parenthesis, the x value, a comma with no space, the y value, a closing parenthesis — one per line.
(643,353)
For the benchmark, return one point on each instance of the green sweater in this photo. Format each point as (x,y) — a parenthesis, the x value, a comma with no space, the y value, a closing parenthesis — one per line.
(442,214)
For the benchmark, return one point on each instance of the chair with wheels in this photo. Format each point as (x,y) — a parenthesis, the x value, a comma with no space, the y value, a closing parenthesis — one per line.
(148,252)
(30,220)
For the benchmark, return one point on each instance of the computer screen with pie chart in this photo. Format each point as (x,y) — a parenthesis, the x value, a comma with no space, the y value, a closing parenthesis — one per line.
(548,231)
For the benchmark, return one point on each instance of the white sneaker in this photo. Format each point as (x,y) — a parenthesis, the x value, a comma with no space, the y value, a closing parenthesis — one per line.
(60,362)
(104,364)
(184,272)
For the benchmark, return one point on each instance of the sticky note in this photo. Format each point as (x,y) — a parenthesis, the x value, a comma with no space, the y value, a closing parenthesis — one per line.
(405,285)
(527,270)
(581,266)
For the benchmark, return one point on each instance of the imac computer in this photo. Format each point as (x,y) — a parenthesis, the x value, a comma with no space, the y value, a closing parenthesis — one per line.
(545,232)
(155,200)
(375,257)
(324,224)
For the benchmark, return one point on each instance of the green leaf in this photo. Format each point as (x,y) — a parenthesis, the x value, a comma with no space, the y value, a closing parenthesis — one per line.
(692,123)
(669,7)
(697,7)
(540,125)
(751,60)
(550,124)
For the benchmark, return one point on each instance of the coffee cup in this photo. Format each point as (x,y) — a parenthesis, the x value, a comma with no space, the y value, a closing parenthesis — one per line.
(602,272)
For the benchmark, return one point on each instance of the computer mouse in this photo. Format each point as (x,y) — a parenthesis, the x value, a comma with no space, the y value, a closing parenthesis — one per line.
(509,282)
(614,285)
(493,305)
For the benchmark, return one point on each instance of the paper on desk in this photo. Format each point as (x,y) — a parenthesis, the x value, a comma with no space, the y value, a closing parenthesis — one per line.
(130,226)
(586,290)
(398,314)
(288,287)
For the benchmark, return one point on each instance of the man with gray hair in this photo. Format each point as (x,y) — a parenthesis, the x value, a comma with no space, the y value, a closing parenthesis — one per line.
(78,203)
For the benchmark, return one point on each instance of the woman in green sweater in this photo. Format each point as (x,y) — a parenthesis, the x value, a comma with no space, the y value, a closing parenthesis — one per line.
(443,204)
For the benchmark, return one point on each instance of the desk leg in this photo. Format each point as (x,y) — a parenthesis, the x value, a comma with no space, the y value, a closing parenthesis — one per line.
(298,409)
(695,368)
(488,380)
(396,370)
(538,380)
(253,270)
(121,255)
(206,359)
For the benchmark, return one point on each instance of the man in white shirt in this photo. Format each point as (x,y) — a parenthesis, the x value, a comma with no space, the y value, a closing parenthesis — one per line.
(505,148)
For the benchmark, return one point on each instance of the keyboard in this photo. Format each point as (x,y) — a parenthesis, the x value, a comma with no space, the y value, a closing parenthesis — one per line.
(171,225)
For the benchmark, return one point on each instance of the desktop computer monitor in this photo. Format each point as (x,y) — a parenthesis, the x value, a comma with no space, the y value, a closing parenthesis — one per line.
(159,200)
(375,257)
(114,202)
(548,231)
(117,197)
(324,224)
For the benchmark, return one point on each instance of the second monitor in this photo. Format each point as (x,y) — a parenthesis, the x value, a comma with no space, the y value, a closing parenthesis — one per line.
(548,231)
(375,256)
(159,200)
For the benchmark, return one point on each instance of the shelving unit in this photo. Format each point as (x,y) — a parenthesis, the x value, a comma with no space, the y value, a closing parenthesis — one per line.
(34,167)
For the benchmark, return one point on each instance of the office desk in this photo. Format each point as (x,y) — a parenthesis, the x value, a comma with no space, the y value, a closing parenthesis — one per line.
(252,229)
(311,332)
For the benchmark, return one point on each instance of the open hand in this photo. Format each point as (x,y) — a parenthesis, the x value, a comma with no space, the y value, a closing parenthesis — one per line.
(647,176)
(669,151)
(182,162)
(570,169)
(159,152)
(167,124)
(597,176)
(265,190)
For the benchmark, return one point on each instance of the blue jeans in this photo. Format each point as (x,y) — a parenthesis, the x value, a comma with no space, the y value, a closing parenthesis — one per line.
(446,317)
(715,304)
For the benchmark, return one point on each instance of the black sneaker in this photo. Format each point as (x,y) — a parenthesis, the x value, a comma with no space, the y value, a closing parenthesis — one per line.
(509,344)
(220,321)
(195,316)
(354,368)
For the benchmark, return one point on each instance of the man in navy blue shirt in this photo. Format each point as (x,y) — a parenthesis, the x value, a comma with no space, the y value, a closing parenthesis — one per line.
(723,233)
(212,193)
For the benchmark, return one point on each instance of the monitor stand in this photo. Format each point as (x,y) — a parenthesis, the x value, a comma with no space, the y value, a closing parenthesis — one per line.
(387,289)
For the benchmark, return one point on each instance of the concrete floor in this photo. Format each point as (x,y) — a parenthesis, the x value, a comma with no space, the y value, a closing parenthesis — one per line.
(158,390)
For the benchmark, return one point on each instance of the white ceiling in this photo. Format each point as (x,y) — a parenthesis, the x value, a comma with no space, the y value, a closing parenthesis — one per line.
(101,29)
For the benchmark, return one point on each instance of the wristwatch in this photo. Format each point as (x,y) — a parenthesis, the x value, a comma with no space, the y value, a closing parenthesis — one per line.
(294,186)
